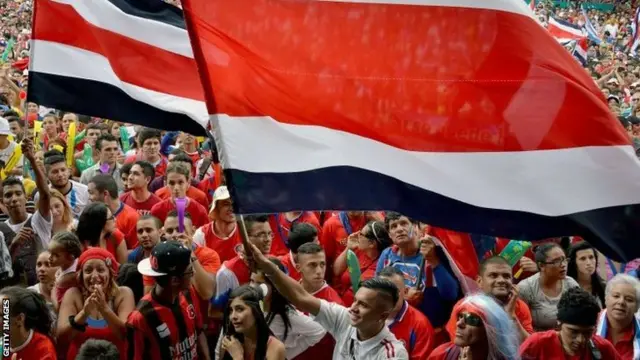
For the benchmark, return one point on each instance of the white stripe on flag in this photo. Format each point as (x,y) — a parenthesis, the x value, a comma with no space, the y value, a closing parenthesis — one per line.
(513,6)
(550,182)
(106,16)
(59,59)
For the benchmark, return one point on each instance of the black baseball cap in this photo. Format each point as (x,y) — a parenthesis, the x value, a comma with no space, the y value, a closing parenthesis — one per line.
(167,258)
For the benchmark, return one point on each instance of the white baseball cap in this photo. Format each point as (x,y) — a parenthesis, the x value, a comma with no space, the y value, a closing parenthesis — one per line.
(221,193)
(4,127)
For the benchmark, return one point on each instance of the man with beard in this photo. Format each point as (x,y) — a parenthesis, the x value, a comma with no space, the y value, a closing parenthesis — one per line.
(58,173)
(148,229)
(495,280)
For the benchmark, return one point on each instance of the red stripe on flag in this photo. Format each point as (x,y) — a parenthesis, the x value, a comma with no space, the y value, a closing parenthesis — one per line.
(423,78)
(134,62)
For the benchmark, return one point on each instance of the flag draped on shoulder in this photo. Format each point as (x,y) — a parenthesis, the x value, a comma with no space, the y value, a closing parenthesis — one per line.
(464,114)
(124,60)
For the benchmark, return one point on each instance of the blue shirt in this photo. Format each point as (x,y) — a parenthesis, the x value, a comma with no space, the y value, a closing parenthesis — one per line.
(438,300)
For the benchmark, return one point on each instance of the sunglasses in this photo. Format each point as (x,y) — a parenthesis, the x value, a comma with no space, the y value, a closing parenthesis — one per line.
(470,319)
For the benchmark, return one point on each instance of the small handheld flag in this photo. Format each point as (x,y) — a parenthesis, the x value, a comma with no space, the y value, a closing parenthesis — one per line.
(353,266)
(124,139)
(513,252)
(71,143)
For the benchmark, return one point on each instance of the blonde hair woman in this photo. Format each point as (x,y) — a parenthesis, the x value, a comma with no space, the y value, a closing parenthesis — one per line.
(62,214)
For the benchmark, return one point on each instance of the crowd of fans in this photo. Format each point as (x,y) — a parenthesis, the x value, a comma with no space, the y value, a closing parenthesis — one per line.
(120,242)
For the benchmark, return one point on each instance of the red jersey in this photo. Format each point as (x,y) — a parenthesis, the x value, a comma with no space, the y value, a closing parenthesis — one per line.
(159,331)
(334,236)
(546,345)
(198,213)
(142,208)
(624,346)
(327,293)
(414,330)
(208,185)
(227,248)
(37,346)
(287,261)
(281,226)
(160,166)
(126,222)
(192,192)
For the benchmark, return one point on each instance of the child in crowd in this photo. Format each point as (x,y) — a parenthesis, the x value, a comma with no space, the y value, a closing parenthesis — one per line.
(65,249)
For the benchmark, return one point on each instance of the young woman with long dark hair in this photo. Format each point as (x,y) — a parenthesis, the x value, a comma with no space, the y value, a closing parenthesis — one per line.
(583,268)
(246,333)
(303,338)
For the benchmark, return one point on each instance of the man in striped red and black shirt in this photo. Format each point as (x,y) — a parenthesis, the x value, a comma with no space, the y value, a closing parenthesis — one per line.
(167,324)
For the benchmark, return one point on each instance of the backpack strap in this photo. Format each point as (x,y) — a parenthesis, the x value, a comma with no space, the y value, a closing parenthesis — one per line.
(156,325)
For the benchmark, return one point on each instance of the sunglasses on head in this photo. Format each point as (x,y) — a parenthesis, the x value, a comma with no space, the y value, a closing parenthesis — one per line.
(470,319)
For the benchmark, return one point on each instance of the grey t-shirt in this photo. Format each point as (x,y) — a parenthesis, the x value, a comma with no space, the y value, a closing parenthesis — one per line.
(544,309)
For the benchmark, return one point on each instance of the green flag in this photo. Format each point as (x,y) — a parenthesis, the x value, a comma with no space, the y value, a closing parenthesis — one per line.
(353,266)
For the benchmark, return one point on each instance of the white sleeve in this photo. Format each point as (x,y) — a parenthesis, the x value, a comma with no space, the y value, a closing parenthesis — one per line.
(6,263)
(217,353)
(225,280)
(84,178)
(304,333)
(334,318)
(42,227)
(198,237)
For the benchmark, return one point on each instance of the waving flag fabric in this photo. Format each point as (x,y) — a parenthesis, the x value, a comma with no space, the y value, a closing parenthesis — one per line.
(563,30)
(591,31)
(465,114)
(126,60)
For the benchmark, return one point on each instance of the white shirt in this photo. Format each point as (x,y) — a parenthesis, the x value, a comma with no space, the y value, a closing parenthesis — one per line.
(226,280)
(40,225)
(303,334)
(77,197)
(335,319)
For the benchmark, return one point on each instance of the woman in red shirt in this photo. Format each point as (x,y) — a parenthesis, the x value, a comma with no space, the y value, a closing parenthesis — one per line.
(29,323)
(368,244)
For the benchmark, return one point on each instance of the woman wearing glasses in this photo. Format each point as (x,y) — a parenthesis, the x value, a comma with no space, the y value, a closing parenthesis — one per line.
(368,244)
(483,331)
(543,290)
(97,228)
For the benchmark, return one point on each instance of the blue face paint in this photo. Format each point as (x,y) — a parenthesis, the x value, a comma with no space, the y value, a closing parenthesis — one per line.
(410,231)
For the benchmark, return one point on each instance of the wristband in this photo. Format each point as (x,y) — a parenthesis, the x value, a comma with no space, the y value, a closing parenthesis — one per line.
(75,325)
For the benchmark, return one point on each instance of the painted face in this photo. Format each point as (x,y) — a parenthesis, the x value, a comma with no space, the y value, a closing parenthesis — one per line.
(402,231)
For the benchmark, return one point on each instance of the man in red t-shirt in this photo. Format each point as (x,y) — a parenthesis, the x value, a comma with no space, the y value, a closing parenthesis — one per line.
(301,234)
(161,331)
(312,265)
(192,191)
(178,181)
(495,280)
(220,234)
(149,150)
(103,188)
(575,340)
(408,324)
(138,195)
(281,225)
